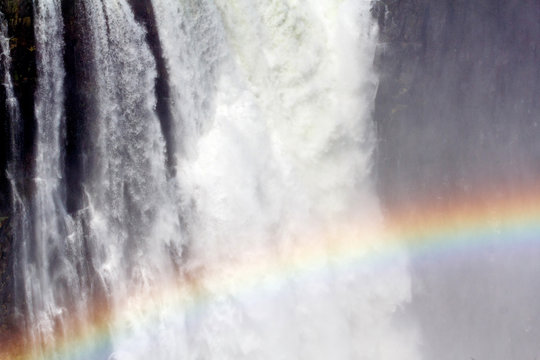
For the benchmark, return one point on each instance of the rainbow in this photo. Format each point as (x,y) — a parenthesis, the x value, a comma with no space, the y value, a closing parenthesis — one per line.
(426,230)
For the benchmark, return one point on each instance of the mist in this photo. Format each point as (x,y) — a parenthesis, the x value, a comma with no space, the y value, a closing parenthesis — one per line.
(457,114)
(270,179)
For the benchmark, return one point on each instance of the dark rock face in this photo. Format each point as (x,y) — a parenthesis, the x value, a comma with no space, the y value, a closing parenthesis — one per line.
(79,104)
(80,95)
(144,13)
(19,16)
(457,113)
(7,323)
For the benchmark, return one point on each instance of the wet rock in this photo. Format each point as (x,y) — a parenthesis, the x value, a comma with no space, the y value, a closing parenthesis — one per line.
(19,16)
(7,322)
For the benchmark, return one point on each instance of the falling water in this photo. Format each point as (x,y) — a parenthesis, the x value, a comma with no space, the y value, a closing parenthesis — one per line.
(129,196)
(20,222)
(12,103)
(270,106)
(11,100)
(43,259)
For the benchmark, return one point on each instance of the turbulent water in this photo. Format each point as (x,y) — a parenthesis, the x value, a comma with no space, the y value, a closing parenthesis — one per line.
(267,148)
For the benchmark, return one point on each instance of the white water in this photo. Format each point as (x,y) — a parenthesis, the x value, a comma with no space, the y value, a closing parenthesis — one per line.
(129,197)
(271,103)
(43,258)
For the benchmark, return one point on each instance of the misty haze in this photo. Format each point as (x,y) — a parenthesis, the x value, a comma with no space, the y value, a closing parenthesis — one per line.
(269,179)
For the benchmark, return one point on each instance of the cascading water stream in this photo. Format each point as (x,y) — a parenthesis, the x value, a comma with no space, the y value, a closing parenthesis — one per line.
(270,107)
(11,100)
(127,187)
(12,105)
(20,222)
(43,259)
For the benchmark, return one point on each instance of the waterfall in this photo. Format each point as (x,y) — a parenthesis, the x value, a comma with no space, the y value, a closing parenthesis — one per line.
(130,200)
(20,220)
(12,105)
(11,100)
(270,106)
(43,259)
